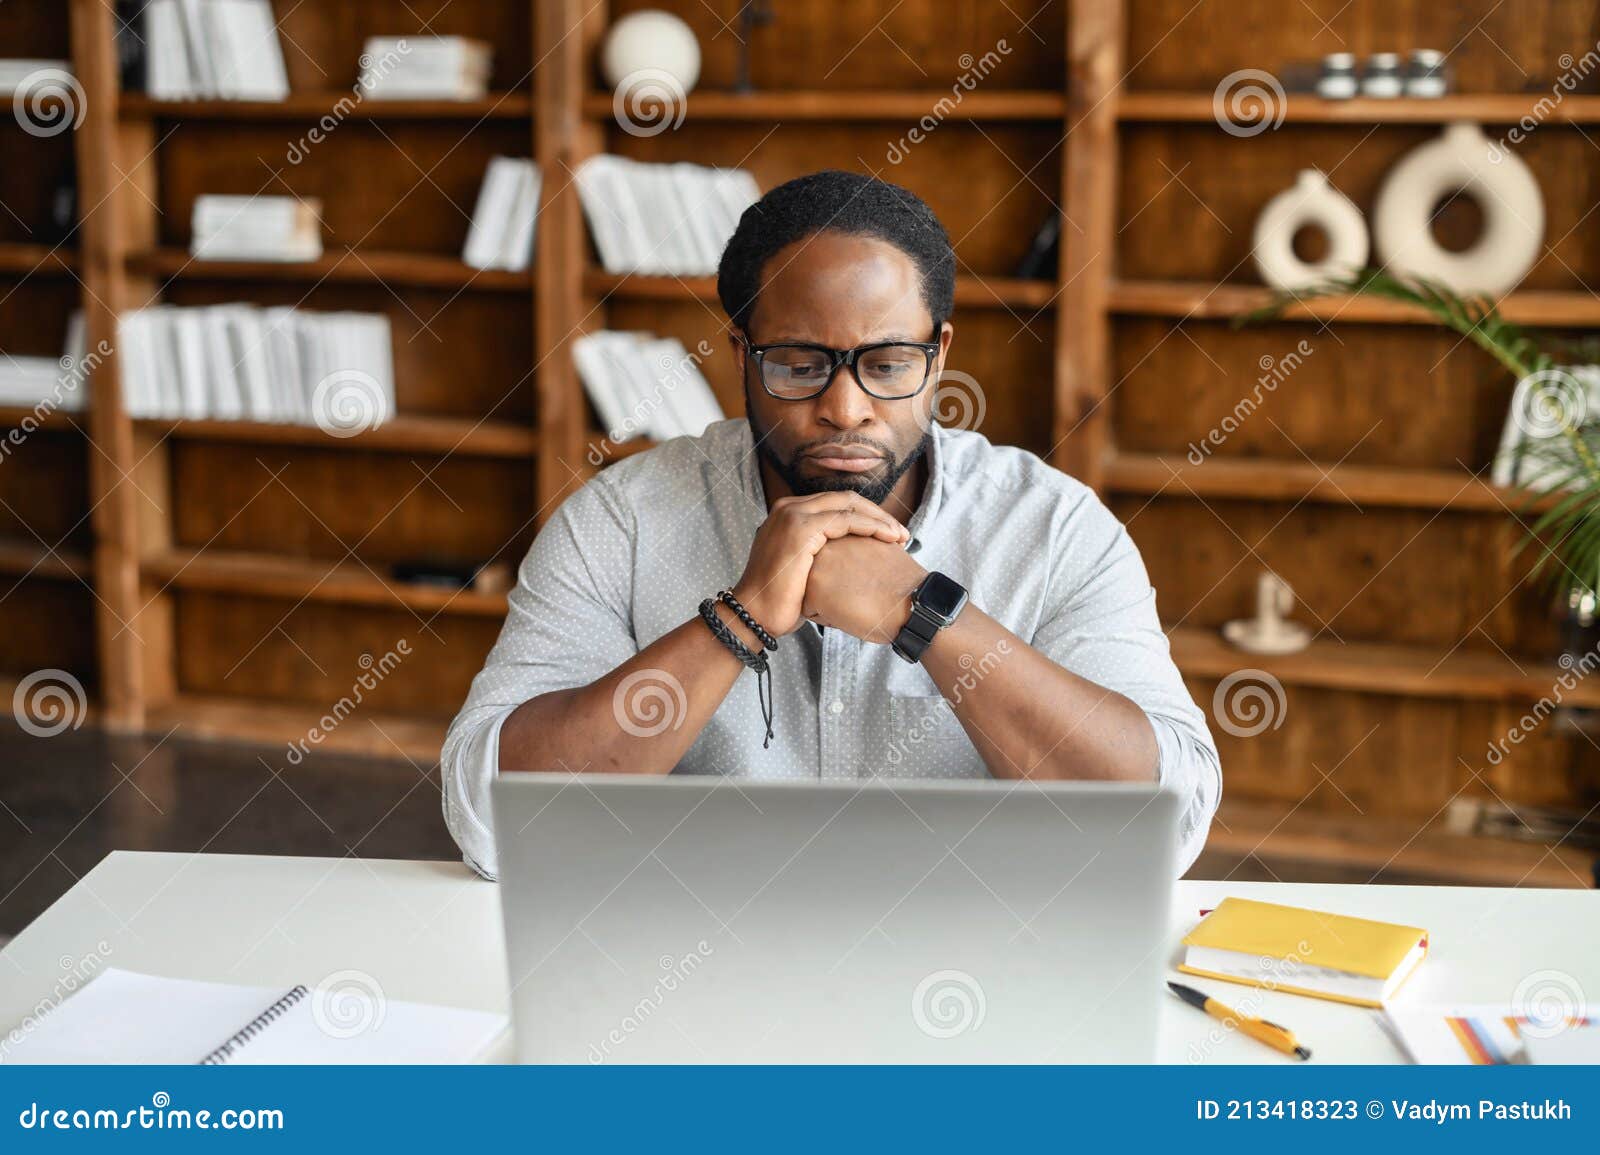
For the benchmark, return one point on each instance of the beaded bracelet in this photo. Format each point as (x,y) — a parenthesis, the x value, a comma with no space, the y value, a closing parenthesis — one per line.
(756,661)
(767,640)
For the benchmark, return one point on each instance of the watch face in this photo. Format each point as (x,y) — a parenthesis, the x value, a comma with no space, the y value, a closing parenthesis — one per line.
(941,595)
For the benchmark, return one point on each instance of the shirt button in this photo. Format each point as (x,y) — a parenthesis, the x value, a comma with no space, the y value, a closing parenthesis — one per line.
(836,707)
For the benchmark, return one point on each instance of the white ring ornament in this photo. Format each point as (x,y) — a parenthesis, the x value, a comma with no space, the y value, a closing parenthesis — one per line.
(1310,202)
(1513,213)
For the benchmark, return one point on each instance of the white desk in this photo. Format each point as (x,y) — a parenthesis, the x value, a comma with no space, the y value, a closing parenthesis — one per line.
(430,932)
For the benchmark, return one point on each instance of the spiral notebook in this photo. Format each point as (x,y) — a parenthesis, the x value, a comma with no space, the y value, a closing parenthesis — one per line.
(124,1017)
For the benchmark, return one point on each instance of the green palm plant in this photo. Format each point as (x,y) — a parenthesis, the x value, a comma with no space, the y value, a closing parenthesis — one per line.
(1559,477)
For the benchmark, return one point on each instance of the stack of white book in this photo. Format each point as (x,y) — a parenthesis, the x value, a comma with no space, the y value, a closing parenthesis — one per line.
(425,68)
(247,363)
(641,383)
(19,74)
(213,48)
(259,228)
(30,381)
(662,218)
(501,236)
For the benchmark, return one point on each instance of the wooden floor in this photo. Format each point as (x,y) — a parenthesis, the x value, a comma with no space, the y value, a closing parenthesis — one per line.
(77,796)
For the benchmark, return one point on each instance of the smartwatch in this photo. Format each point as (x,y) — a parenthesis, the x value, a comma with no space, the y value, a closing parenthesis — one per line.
(934,605)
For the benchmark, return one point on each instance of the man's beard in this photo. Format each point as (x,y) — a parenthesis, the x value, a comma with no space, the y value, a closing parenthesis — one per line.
(875,487)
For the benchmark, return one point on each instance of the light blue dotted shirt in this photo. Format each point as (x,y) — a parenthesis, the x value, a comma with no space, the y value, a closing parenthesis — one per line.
(629,557)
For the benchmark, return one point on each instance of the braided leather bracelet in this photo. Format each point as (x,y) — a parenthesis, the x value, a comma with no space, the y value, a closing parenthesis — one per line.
(767,640)
(756,661)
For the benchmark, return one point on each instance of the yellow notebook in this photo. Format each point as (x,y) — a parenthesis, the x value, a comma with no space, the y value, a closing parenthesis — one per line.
(1306,952)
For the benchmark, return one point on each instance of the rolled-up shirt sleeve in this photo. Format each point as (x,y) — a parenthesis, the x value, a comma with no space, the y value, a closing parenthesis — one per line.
(1100,622)
(568,624)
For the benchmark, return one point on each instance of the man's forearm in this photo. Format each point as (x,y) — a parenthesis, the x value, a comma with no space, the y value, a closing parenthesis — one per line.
(639,719)
(1031,718)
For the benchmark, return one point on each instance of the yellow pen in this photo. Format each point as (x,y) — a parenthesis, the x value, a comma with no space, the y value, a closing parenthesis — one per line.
(1276,1037)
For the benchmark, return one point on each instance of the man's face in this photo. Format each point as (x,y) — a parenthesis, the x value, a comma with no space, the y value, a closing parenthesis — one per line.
(840,291)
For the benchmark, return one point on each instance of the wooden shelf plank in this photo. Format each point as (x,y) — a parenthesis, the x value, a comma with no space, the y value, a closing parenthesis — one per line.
(1306,108)
(435,436)
(1292,481)
(1384,668)
(30,559)
(254,720)
(277,576)
(37,260)
(12,417)
(1397,847)
(820,105)
(416,270)
(341,103)
(973,292)
(1210,301)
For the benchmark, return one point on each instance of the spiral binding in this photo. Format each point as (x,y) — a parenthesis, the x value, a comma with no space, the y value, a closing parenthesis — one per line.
(254,1027)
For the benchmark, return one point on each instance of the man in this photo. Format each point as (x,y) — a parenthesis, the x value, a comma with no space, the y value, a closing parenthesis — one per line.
(1034,650)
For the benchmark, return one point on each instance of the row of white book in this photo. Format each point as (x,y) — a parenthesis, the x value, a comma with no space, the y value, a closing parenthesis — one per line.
(662,218)
(644,384)
(502,231)
(213,48)
(255,228)
(29,381)
(245,362)
(18,75)
(425,68)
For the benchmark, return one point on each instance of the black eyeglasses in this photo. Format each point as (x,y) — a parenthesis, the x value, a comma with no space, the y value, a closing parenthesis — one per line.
(887,370)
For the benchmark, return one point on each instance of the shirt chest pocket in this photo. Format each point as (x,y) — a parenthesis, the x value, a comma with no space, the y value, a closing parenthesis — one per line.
(926,738)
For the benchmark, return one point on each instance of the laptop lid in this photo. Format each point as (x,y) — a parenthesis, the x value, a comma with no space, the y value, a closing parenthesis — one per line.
(704,919)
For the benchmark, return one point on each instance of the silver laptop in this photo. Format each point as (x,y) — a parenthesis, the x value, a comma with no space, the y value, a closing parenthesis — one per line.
(703,919)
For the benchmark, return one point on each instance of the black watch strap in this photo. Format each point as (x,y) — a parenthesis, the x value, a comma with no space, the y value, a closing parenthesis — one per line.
(920,629)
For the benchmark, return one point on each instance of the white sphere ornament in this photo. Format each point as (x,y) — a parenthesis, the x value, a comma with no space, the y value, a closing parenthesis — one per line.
(655,43)
(1311,202)
(1461,158)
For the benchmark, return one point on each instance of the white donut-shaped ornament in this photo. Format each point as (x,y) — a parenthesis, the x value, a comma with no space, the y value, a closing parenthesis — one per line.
(1461,158)
(1310,202)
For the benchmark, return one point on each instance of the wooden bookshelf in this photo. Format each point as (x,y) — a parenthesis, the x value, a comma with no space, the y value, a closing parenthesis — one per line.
(1305,108)
(419,270)
(1358,470)
(48,589)
(227,577)
(312,105)
(1207,302)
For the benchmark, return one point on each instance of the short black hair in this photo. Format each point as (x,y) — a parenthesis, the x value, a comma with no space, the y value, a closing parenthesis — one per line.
(843,202)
